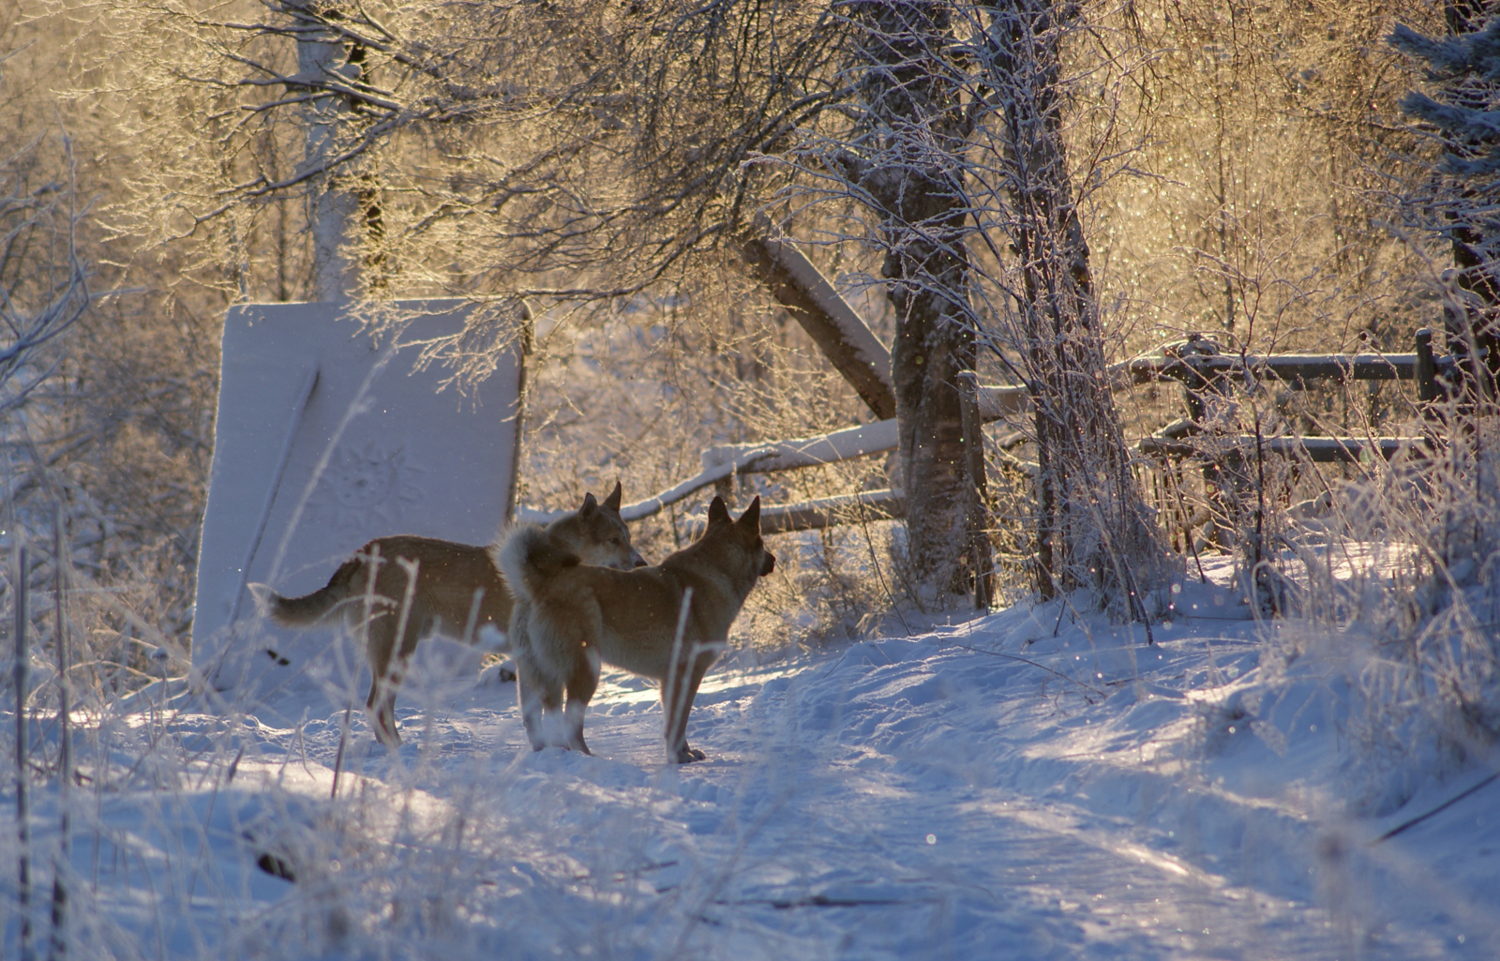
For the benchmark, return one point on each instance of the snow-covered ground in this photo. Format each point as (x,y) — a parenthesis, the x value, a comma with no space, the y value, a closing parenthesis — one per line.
(1027,785)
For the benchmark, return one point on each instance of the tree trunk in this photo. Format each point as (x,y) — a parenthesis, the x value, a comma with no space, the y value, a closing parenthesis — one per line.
(334,213)
(1094,529)
(917,191)
(1473,321)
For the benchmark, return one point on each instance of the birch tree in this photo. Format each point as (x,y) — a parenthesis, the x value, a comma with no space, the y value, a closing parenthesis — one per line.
(376,122)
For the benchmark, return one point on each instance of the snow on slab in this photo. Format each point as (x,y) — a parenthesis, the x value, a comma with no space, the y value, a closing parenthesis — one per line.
(1017,786)
(326,439)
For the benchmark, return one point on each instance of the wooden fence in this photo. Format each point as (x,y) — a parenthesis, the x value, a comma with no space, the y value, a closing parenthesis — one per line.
(1196,365)
(1204,372)
(852,348)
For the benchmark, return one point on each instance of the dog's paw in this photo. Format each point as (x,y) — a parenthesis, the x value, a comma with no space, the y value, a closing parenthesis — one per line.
(276,867)
(690,754)
(500,672)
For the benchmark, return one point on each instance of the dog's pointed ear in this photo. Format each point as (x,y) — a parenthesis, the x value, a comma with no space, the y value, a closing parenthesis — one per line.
(590,505)
(718,513)
(751,517)
(613,500)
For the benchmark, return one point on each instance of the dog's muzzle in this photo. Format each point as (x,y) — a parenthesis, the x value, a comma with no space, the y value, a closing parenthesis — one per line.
(768,563)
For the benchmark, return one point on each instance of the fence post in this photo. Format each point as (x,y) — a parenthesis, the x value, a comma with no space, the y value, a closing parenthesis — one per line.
(1427,387)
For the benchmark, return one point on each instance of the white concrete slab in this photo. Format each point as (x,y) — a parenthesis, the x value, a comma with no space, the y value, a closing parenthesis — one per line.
(326,439)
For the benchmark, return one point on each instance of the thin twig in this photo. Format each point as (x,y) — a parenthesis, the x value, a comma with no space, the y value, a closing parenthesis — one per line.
(1441,807)
(58,948)
(373,563)
(1026,660)
(23,801)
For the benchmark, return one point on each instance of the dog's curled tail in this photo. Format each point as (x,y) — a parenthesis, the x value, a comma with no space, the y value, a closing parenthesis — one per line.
(309,608)
(528,557)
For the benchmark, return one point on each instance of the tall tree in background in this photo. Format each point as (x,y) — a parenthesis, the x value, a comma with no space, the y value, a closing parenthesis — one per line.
(1458,198)
(1094,529)
(908,166)
(959,152)
(299,102)
(331,77)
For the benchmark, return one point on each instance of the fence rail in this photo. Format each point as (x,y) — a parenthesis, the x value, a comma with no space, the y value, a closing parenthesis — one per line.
(1293,369)
(1323,450)
(1203,371)
(1196,364)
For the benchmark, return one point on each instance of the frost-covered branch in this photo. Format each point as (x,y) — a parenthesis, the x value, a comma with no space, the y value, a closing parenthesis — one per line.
(43,280)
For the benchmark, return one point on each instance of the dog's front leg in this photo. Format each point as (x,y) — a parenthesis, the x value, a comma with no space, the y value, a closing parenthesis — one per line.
(380,707)
(683,690)
(386,668)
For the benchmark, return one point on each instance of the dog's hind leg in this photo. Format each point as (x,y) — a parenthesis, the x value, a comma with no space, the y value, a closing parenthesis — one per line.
(538,696)
(583,680)
(539,692)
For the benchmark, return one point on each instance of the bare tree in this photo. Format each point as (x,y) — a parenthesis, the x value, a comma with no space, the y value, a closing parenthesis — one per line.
(115,423)
(1094,528)
(329,75)
(937,128)
(907,165)
(43,280)
(623,148)
(431,148)
(960,153)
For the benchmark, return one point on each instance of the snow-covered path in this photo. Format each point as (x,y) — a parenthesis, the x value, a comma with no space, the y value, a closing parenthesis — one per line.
(899,801)
(984,790)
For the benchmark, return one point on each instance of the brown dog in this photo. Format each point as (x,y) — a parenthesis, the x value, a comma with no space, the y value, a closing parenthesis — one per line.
(666,622)
(423,585)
